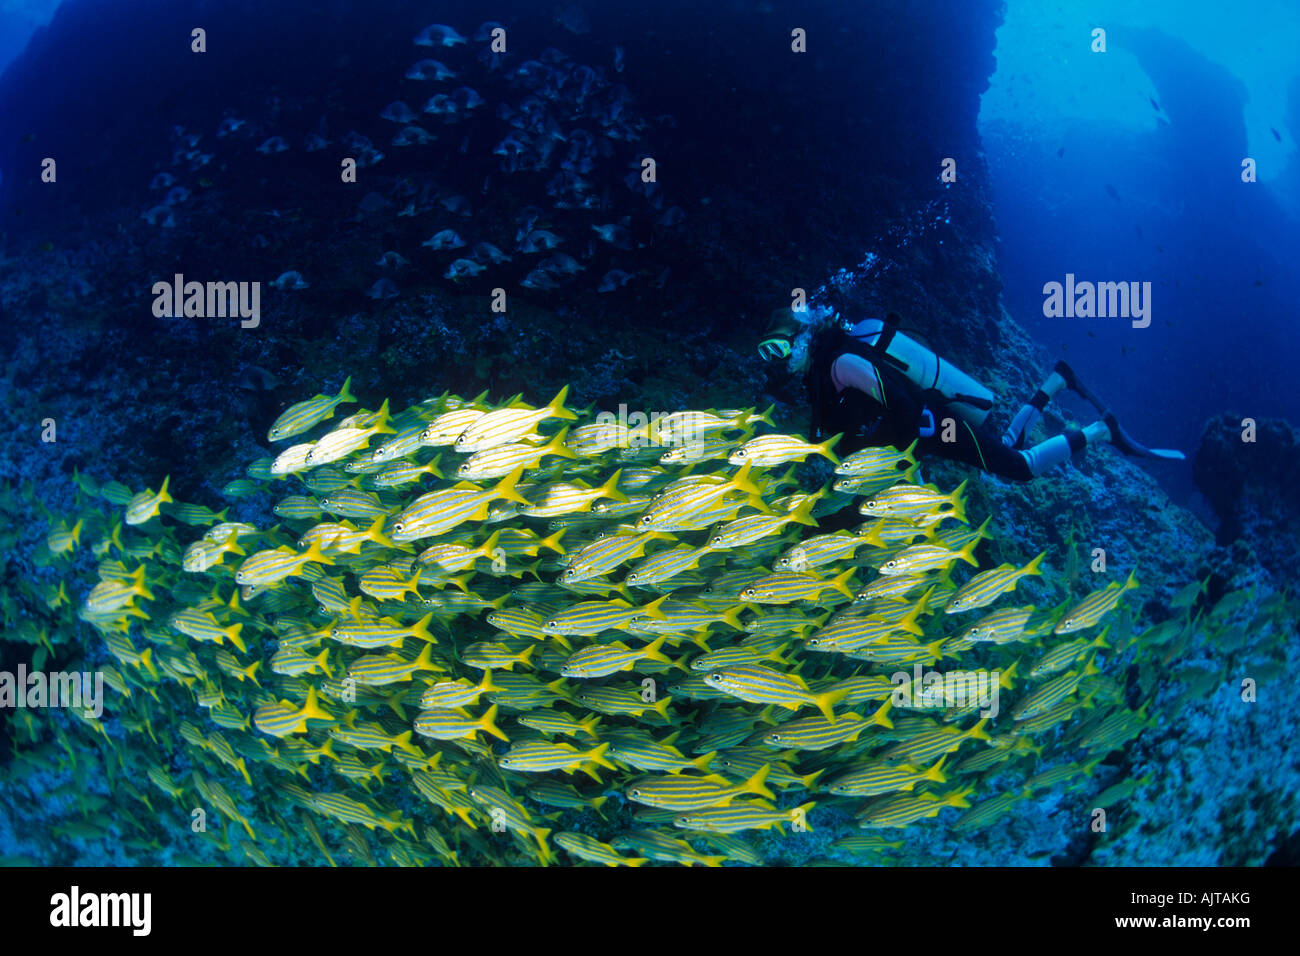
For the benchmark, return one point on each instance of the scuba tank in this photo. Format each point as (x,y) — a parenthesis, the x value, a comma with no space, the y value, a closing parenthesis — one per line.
(878,340)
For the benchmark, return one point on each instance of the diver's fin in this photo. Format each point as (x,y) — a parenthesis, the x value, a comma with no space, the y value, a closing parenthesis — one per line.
(1073,383)
(1126,443)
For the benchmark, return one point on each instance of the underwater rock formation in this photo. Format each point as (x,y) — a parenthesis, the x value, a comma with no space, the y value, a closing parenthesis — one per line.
(1253,488)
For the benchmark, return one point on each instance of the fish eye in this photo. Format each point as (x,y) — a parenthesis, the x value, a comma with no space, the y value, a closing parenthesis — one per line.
(891,564)
(635,793)
(774,737)
(717,539)
(397,526)
(750,592)
(813,642)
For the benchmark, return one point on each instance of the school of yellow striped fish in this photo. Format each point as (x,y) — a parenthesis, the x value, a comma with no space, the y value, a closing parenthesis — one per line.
(471,622)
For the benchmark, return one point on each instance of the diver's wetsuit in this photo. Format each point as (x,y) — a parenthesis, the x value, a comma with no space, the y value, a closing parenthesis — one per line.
(874,404)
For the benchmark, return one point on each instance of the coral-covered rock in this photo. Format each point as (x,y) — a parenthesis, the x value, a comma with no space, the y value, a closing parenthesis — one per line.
(1252,487)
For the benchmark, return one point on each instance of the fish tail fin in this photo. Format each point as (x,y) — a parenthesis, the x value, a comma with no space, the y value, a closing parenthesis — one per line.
(556,407)
(312,709)
(809,779)
(978,732)
(881,717)
(803,513)
(412,585)
(556,445)
(163,496)
(376,534)
(652,651)
(233,635)
(908,621)
(824,449)
(1035,566)
(958,798)
(732,616)
(967,553)
(314,553)
(424,660)
(598,756)
(701,763)
(742,482)
(488,723)
(540,834)
(757,784)
(383,417)
(959,502)
(936,773)
(344,394)
(1007,676)
(653,608)
(138,584)
(610,488)
(840,582)
(552,542)
(505,488)
(826,702)
(403,742)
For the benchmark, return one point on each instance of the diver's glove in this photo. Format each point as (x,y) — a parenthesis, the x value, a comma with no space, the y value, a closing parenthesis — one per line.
(773,348)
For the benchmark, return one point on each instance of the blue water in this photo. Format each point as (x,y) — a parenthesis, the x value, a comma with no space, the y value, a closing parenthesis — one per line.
(1164,118)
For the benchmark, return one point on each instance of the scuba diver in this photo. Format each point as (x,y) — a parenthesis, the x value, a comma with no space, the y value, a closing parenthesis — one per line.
(876,386)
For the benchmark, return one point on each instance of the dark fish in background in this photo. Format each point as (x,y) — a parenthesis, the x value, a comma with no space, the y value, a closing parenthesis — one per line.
(1276,135)
(254,378)
(1060,152)
(1154,105)
(1111,192)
